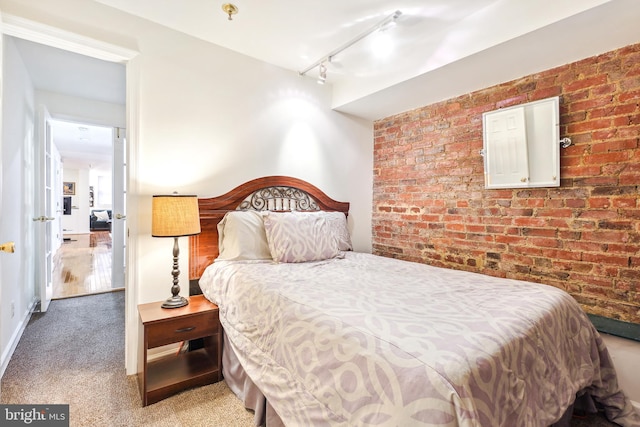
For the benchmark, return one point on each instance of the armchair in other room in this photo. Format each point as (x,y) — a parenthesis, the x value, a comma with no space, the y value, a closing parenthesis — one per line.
(100,219)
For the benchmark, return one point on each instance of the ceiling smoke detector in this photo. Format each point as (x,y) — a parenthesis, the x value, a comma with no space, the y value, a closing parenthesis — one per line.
(230,9)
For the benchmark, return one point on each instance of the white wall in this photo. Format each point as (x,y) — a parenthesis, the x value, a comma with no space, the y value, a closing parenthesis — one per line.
(212,119)
(17,279)
(200,136)
(102,197)
(78,221)
(624,354)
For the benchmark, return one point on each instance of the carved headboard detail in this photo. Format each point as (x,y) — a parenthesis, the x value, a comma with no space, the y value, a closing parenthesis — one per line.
(275,193)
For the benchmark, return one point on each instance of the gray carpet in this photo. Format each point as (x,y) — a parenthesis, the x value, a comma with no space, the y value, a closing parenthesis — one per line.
(74,354)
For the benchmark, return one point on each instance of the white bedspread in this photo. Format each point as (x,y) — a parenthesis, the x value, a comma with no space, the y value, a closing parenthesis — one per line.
(367,340)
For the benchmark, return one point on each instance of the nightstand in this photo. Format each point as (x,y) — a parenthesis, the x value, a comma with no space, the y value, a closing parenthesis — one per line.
(170,374)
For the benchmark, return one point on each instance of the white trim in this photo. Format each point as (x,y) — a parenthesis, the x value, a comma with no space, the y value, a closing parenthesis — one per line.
(15,338)
(131,274)
(51,36)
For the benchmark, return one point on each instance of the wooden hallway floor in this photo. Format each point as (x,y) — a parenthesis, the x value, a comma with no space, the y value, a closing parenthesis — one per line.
(82,265)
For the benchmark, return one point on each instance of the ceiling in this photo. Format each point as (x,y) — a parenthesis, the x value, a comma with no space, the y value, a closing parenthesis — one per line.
(83,146)
(439,48)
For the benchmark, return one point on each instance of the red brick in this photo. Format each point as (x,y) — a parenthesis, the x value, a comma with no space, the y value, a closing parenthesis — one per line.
(606,259)
(557,213)
(629,96)
(591,105)
(589,125)
(600,202)
(625,202)
(575,85)
(580,171)
(604,147)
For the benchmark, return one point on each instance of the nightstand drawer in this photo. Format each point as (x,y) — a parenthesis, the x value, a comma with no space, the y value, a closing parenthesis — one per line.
(182,329)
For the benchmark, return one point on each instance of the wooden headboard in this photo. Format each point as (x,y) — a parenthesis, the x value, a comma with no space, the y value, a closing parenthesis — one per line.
(276,193)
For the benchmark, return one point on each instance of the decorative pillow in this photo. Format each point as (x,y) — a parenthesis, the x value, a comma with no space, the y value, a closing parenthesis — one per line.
(101,215)
(241,236)
(299,238)
(337,223)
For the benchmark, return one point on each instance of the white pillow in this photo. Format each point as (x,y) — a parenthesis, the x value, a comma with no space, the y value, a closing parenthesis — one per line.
(101,215)
(337,223)
(241,236)
(299,238)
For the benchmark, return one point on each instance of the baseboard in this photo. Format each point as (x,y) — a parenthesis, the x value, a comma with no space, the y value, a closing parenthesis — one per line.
(15,338)
(616,327)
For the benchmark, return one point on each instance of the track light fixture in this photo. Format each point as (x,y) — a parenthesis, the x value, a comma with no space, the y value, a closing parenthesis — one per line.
(320,63)
(322,75)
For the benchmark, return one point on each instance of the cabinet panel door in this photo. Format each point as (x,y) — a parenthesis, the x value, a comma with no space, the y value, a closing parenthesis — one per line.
(506,154)
(543,135)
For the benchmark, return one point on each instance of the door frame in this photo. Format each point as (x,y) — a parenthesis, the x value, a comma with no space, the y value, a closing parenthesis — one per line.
(51,36)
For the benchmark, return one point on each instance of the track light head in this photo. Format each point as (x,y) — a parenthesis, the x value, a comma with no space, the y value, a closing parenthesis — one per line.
(322,74)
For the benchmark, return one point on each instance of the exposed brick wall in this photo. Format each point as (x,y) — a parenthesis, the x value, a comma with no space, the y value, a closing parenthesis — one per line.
(430,204)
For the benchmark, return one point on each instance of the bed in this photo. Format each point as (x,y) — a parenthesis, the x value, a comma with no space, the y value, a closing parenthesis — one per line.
(317,334)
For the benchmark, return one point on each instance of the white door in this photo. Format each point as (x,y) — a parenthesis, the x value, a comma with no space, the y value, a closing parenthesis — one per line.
(505,149)
(119,222)
(44,202)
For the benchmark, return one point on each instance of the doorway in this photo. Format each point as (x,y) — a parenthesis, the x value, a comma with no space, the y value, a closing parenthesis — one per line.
(85,101)
(83,262)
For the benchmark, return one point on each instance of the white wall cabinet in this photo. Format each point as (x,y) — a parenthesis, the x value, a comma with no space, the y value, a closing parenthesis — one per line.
(522,145)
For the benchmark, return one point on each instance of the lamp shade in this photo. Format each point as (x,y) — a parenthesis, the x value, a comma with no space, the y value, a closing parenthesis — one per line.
(174,216)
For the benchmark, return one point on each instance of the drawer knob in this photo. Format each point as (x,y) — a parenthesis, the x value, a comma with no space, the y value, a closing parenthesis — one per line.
(187,329)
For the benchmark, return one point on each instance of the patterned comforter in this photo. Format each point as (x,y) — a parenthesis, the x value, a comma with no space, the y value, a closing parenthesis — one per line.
(367,340)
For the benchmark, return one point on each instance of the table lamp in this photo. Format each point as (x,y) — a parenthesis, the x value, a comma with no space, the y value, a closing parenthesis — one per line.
(175,216)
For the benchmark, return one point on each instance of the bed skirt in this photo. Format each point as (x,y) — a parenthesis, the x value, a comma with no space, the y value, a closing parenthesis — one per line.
(265,416)
(242,386)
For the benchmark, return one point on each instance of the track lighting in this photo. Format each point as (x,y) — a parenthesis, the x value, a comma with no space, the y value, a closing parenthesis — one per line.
(386,23)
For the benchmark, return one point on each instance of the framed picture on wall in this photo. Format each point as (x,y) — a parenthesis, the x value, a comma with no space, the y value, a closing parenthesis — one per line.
(69,188)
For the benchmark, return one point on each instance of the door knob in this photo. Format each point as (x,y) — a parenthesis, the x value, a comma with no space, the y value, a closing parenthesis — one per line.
(120,216)
(9,247)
